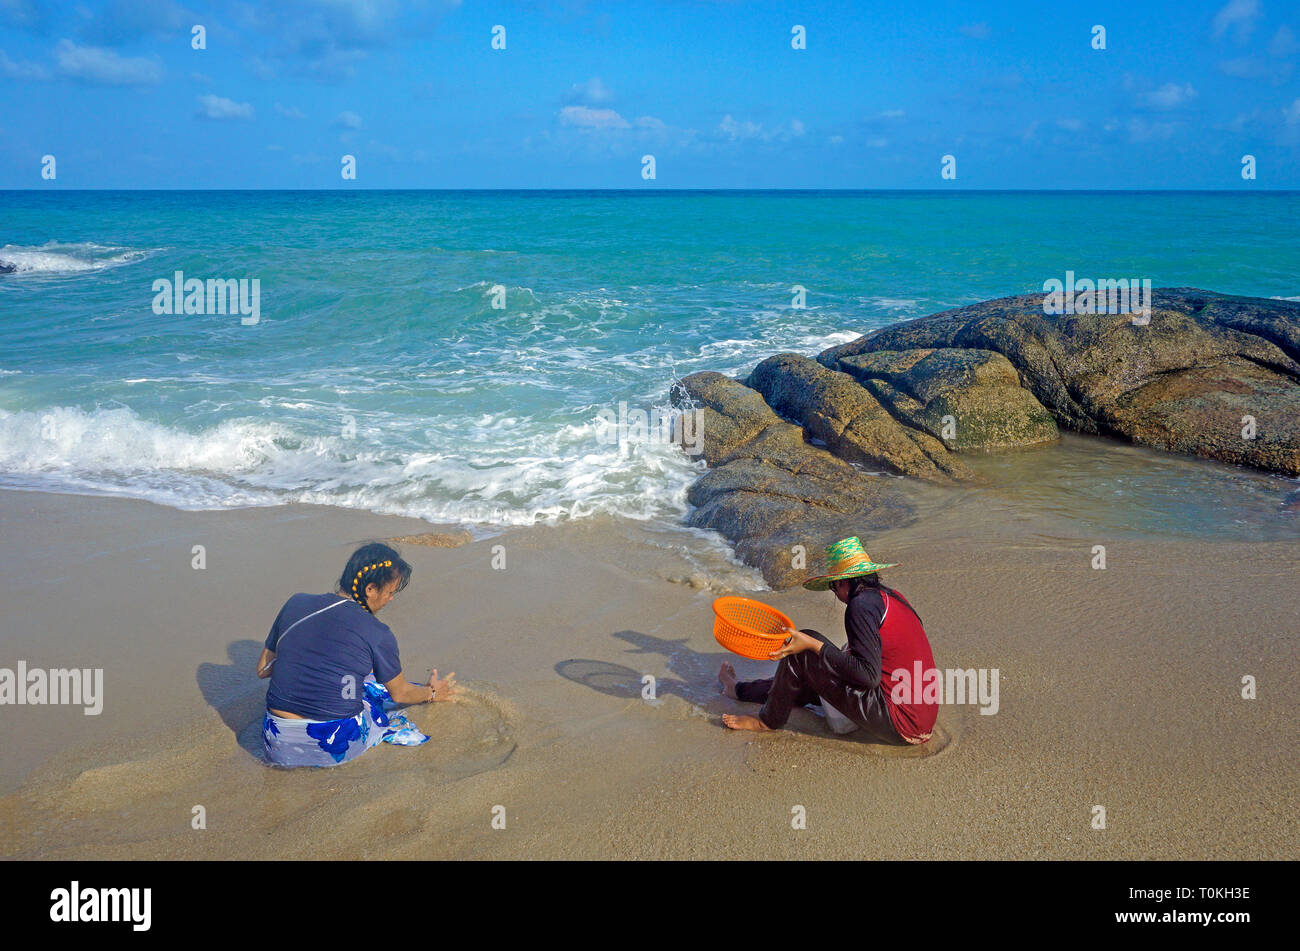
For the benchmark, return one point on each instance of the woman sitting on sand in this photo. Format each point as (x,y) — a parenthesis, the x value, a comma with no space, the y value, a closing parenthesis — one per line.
(857,684)
(336,678)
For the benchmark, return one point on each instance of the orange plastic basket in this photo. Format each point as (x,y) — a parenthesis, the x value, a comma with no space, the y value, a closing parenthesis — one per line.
(749,628)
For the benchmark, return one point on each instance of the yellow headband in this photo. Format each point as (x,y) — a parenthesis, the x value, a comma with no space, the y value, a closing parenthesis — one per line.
(357,579)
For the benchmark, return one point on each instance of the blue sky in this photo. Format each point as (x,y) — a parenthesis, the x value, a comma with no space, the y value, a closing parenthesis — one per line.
(713,90)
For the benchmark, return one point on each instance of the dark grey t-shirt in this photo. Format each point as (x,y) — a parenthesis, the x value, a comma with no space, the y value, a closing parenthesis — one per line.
(324,646)
(859,662)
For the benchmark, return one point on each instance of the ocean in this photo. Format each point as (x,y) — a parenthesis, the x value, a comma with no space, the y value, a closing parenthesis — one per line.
(454,355)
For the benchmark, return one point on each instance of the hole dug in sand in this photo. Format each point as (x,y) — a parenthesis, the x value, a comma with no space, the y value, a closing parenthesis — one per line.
(470,735)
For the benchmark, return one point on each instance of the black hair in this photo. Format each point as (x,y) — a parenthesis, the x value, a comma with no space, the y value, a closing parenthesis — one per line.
(373,563)
(873,581)
(864,581)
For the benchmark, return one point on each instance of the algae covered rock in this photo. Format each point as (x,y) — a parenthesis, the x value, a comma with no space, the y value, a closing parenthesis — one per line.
(768,490)
(970,399)
(1202,373)
(836,409)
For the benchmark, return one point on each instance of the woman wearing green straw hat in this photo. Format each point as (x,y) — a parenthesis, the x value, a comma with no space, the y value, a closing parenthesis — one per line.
(875,682)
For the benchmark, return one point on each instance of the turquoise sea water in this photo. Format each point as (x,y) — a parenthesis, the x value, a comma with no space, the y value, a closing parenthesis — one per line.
(380,375)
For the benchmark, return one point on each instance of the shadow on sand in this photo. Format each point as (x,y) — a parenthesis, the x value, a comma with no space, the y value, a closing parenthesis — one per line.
(237,694)
(695,681)
(692,683)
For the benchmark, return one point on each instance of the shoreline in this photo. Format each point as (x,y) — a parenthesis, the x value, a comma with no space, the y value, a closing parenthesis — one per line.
(1118,687)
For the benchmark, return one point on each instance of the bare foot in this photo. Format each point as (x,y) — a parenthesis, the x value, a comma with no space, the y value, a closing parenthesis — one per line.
(727,677)
(743,721)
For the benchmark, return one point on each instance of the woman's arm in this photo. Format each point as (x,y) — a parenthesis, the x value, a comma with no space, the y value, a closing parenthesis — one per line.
(860,664)
(403,691)
(264,663)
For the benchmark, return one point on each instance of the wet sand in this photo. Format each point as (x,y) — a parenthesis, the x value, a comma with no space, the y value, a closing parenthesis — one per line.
(1119,688)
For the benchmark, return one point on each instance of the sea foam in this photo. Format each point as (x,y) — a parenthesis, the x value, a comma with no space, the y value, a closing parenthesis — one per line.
(482,477)
(54,258)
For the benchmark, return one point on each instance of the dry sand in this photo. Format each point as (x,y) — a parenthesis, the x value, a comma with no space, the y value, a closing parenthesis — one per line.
(1119,688)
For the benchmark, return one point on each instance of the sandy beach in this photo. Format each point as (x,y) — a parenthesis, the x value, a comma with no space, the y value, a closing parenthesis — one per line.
(350,345)
(1119,688)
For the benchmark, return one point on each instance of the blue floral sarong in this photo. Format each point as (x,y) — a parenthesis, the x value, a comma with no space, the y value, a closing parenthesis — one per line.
(292,742)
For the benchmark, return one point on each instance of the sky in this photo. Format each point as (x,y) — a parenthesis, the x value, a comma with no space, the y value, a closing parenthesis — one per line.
(1016,92)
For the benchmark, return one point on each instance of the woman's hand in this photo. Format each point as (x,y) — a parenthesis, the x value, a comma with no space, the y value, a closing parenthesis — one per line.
(796,643)
(444,689)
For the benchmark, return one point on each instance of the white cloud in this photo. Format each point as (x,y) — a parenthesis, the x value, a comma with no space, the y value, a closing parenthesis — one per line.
(1237,17)
(1243,121)
(1292,113)
(347,120)
(218,107)
(95,65)
(584,117)
(1283,43)
(892,114)
(289,112)
(1243,67)
(738,131)
(396,154)
(1139,130)
(1070,125)
(22,13)
(21,70)
(593,92)
(260,68)
(976,31)
(1275,69)
(329,39)
(1170,96)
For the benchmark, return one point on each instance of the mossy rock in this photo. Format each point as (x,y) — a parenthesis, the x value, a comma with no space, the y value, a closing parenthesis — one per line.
(1188,376)
(972,400)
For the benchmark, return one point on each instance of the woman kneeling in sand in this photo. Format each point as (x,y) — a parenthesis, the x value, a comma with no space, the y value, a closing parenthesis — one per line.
(336,678)
(854,686)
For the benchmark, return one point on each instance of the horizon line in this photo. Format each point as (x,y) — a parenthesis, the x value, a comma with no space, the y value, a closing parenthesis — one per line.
(662,189)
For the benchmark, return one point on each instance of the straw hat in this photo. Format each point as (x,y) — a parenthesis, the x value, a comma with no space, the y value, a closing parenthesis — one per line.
(845,559)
